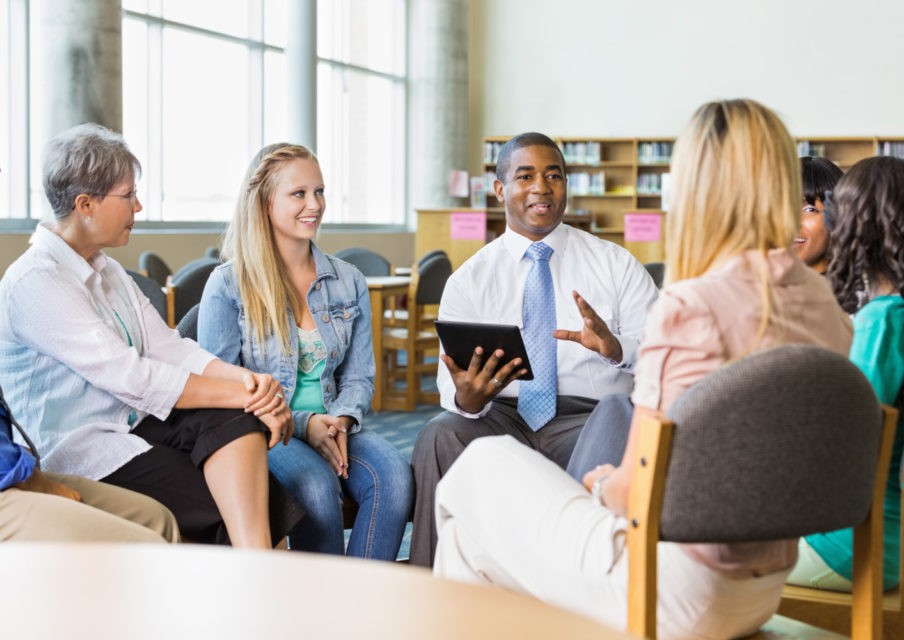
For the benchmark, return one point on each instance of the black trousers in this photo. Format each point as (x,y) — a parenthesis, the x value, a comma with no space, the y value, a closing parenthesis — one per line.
(171,471)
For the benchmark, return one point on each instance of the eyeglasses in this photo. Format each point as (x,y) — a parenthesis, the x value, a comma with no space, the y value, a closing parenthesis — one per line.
(131,196)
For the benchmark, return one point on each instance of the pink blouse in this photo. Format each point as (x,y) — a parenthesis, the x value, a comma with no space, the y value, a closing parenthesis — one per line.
(698,325)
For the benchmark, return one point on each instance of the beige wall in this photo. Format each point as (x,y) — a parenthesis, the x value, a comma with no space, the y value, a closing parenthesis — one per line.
(177,249)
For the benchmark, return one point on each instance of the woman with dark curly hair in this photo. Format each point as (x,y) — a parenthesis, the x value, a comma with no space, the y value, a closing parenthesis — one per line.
(818,175)
(867,274)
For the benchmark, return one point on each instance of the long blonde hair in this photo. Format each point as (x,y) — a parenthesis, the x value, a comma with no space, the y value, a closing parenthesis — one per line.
(735,187)
(264,286)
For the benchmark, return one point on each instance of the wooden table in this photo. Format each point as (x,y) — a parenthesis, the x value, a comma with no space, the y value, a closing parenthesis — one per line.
(107,591)
(381,289)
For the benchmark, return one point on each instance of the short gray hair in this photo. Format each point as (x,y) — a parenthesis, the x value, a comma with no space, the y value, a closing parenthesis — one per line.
(87,158)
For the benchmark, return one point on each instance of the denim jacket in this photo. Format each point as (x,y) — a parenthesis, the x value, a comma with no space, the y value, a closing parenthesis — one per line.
(340,304)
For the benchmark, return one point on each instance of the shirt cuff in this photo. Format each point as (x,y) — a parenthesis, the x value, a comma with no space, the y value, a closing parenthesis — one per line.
(197,361)
(629,354)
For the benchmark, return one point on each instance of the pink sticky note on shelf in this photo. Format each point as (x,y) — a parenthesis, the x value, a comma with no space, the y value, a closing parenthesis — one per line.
(643,227)
(468,225)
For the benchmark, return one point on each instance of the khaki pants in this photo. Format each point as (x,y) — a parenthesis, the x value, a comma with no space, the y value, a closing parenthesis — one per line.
(106,514)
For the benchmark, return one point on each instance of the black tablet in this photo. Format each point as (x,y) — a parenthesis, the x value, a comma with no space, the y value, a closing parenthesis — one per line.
(461,338)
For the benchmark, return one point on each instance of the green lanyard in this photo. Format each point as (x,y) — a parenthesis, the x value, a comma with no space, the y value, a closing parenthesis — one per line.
(123,325)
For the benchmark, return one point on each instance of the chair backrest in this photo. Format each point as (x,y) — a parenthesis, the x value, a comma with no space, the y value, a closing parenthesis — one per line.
(783,443)
(188,325)
(194,265)
(153,266)
(370,263)
(656,271)
(431,254)
(431,279)
(212,252)
(186,287)
(786,417)
(152,290)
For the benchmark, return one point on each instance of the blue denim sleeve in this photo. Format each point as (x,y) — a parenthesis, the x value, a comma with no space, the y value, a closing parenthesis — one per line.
(16,464)
(218,319)
(355,376)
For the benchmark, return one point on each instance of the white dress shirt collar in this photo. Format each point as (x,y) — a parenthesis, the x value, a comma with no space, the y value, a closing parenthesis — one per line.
(47,241)
(516,244)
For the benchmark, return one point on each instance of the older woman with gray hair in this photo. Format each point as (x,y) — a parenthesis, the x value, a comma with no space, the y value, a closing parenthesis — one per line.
(104,387)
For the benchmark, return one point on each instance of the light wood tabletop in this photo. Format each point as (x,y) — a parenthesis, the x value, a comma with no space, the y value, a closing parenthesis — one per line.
(101,591)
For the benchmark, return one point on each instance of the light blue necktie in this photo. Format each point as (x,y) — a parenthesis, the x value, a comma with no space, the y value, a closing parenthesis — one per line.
(537,397)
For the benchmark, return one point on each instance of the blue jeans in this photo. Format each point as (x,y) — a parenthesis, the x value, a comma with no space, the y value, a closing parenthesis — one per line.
(379,481)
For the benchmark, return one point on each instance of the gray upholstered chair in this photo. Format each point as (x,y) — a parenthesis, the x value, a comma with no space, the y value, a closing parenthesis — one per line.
(152,290)
(153,267)
(188,324)
(431,254)
(370,263)
(783,443)
(184,288)
(656,271)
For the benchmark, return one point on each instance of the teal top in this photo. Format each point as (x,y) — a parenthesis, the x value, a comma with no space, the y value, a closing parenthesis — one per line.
(308,394)
(878,350)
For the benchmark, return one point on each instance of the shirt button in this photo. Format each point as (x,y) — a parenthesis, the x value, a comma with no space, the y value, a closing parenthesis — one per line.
(329,387)
(325,318)
(317,286)
(346,314)
(334,354)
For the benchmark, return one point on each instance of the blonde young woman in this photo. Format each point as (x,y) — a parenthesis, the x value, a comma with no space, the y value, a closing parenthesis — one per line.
(281,306)
(506,515)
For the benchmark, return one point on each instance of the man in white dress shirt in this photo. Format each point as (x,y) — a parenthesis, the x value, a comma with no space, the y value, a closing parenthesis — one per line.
(599,298)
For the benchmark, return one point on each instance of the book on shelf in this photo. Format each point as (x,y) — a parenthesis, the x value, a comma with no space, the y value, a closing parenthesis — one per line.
(889,148)
(654,152)
(813,149)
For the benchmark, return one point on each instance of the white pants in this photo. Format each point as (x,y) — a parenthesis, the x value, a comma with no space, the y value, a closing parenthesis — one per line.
(508,516)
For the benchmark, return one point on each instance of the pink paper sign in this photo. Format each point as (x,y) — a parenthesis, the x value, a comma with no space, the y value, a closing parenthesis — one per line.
(643,227)
(468,225)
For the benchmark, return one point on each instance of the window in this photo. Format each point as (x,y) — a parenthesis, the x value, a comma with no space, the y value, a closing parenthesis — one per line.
(361,108)
(204,87)
(14,158)
(196,95)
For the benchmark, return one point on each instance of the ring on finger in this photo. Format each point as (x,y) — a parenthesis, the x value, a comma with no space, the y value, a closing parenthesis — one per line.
(280,395)
(496,382)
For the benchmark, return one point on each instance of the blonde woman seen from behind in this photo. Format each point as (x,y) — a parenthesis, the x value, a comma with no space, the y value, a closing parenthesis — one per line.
(734,288)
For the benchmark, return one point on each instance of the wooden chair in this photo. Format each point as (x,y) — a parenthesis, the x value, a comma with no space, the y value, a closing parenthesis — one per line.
(753,453)
(832,610)
(415,338)
(184,288)
(397,315)
(152,266)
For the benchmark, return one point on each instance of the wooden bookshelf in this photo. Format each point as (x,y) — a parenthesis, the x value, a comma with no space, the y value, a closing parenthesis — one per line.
(609,177)
(846,152)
